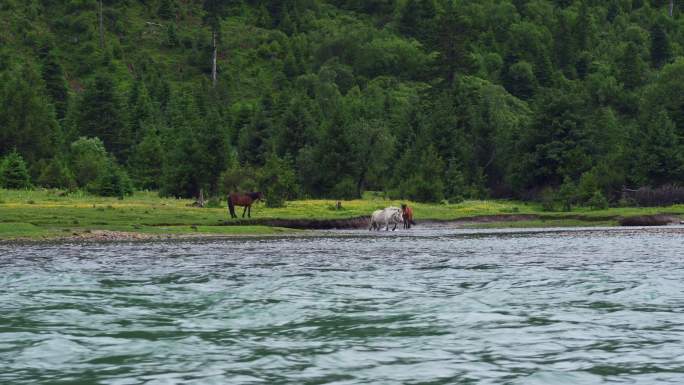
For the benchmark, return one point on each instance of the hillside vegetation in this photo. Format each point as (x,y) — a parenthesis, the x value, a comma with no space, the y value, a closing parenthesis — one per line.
(423,99)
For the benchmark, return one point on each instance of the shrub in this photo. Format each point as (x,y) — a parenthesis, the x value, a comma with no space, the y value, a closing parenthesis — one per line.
(57,175)
(214,203)
(587,186)
(598,201)
(112,182)
(345,189)
(237,178)
(567,194)
(87,158)
(13,172)
(548,199)
(277,181)
(421,190)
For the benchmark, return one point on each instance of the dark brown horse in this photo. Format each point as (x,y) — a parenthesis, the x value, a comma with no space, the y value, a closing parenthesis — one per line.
(408,216)
(244,200)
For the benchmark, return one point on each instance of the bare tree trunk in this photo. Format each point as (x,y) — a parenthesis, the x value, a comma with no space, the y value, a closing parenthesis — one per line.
(671,7)
(213,60)
(200,201)
(101,27)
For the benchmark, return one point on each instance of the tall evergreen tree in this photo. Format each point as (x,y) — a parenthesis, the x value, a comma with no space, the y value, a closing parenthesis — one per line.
(100,115)
(631,67)
(661,155)
(660,46)
(55,84)
(27,118)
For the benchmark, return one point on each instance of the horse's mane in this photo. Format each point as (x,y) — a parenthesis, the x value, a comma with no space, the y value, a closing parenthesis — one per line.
(255,194)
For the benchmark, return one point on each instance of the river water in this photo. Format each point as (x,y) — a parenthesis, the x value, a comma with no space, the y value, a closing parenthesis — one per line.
(425,306)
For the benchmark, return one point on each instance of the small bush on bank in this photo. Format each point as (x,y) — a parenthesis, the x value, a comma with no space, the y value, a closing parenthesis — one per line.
(277,181)
(112,182)
(547,199)
(57,175)
(13,172)
(87,158)
(213,203)
(237,178)
(567,194)
(345,189)
(419,190)
(598,201)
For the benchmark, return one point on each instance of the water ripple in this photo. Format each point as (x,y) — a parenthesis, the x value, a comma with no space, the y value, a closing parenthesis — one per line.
(430,306)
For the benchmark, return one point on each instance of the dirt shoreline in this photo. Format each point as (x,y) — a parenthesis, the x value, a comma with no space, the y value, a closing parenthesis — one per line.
(88,235)
(362,222)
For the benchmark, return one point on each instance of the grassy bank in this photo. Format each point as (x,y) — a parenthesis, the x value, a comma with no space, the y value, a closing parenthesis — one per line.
(38,214)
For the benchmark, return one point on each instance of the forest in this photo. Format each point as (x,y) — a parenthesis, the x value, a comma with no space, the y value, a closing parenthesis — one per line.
(567,101)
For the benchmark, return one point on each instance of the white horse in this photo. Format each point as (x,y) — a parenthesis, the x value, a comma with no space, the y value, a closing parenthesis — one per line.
(387,216)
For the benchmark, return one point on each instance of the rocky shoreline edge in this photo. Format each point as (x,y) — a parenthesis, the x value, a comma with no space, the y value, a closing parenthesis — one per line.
(356,223)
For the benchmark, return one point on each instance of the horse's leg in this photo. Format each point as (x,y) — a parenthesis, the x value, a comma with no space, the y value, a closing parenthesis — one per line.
(244,212)
(249,211)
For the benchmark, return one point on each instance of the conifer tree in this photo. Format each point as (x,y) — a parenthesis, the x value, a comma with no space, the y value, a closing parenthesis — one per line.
(13,172)
(55,84)
(100,115)
(631,67)
(660,46)
(27,118)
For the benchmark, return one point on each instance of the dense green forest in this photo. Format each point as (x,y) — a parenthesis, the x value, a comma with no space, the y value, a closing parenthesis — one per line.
(421,99)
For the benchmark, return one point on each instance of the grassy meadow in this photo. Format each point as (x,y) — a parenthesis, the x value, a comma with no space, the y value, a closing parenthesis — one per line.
(46,214)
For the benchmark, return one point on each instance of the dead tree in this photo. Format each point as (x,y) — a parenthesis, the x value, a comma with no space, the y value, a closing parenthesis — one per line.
(213,59)
(101,26)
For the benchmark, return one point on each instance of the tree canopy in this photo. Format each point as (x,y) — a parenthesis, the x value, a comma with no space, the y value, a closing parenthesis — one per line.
(422,99)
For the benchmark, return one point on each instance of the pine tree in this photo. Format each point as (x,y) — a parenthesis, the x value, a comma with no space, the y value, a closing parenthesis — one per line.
(145,163)
(296,128)
(416,19)
(101,116)
(451,41)
(55,84)
(13,172)
(140,110)
(631,67)
(660,46)
(661,156)
(254,143)
(167,9)
(27,119)
(214,140)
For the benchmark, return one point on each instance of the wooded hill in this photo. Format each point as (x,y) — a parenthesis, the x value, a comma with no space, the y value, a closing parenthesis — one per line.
(422,99)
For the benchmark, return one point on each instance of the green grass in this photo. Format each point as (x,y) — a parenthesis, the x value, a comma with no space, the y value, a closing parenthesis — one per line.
(50,213)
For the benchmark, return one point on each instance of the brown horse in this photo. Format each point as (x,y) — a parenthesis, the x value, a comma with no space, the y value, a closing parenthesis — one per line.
(244,200)
(408,216)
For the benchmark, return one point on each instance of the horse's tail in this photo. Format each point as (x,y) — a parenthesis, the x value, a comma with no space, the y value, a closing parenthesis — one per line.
(231,206)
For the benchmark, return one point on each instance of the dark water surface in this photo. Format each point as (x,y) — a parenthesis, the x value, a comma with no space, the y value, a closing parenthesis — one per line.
(430,306)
